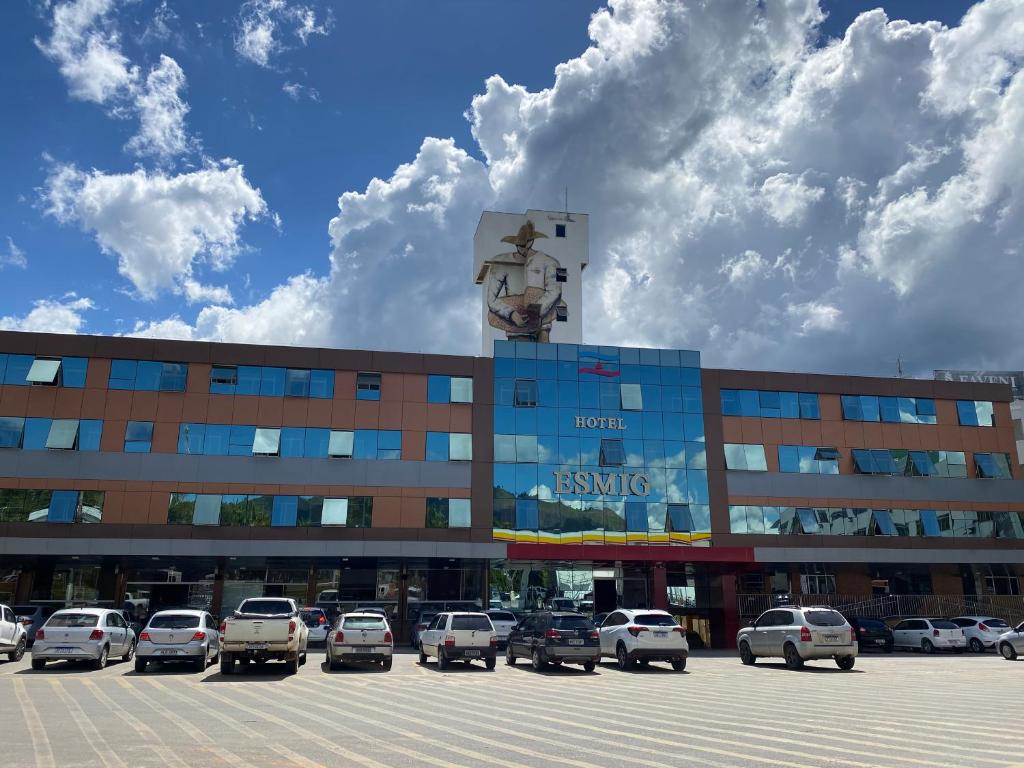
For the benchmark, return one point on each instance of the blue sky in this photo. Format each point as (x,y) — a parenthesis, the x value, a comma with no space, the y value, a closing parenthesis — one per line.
(371,81)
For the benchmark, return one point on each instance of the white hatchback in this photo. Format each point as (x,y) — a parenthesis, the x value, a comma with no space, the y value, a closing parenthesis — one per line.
(178,636)
(982,632)
(360,637)
(929,635)
(83,634)
(631,636)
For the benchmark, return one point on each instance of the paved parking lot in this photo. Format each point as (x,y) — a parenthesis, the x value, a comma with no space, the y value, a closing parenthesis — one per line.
(901,710)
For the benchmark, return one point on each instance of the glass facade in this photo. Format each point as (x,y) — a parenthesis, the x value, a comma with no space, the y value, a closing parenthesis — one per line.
(147,376)
(598,445)
(893,410)
(22,505)
(25,370)
(770,405)
(271,382)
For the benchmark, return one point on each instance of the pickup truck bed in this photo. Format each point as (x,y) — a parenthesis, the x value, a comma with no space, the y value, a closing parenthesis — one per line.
(263,629)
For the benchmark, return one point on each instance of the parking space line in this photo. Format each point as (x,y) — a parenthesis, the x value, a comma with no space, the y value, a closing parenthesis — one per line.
(90,732)
(40,741)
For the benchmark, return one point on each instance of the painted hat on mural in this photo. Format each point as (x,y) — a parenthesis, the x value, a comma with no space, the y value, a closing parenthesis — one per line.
(526,234)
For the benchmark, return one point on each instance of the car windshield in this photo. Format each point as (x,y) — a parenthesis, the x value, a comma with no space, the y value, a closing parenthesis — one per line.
(174,621)
(502,616)
(479,623)
(73,620)
(944,625)
(572,622)
(426,618)
(871,623)
(655,620)
(824,618)
(364,622)
(266,607)
(997,623)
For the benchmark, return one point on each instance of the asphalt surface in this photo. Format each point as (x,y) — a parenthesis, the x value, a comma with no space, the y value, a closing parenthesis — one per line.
(903,710)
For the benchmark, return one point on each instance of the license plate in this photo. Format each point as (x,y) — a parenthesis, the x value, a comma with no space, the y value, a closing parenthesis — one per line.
(168,652)
(471,654)
(831,638)
(363,650)
(255,646)
(575,642)
(879,642)
(63,650)
(661,634)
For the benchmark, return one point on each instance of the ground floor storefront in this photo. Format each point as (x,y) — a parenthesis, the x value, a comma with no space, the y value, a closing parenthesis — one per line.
(710,591)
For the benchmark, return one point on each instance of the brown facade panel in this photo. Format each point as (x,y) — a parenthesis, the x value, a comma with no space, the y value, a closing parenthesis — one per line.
(413,445)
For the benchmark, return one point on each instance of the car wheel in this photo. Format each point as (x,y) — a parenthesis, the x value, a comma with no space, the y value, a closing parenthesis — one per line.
(537,660)
(792,656)
(101,662)
(423,656)
(510,658)
(977,646)
(442,660)
(678,664)
(140,665)
(926,646)
(589,666)
(38,664)
(302,660)
(622,657)
(292,665)
(491,663)
(1007,650)
(200,663)
(227,664)
(645,662)
(746,656)
(845,663)
(18,652)
(131,653)
(386,664)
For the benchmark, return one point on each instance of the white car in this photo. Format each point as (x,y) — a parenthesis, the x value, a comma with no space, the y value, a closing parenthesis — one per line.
(1011,643)
(12,634)
(929,635)
(630,636)
(982,632)
(360,637)
(178,635)
(503,622)
(83,634)
(459,636)
(316,620)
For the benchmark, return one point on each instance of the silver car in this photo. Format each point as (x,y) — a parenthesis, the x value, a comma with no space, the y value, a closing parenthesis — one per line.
(1012,643)
(799,634)
(83,634)
(178,636)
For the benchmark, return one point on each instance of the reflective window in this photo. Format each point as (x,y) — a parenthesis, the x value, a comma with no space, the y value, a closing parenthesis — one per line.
(808,459)
(449,389)
(631,396)
(747,457)
(341,443)
(612,453)
(63,434)
(43,371)
(206,509)
(447,513)
(266,442)
(147,375)
(525,393)
(23,370)
(296,383)
(138,437)
(335,512)
(368,386)
(223,379)
(460,446)
(896,410)
(11,428)
(770,404)
(284,512)
(993,465)
(975,413)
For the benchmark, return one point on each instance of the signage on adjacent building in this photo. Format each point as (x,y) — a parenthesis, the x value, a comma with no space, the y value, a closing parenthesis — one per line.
(1014,379)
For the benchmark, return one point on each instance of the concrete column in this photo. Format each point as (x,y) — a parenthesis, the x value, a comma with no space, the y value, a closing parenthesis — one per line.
(311,584)
(218,589)
(725,619)
(659,586)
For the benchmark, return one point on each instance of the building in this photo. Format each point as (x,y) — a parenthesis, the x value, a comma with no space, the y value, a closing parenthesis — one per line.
(147,473)
(1014,380)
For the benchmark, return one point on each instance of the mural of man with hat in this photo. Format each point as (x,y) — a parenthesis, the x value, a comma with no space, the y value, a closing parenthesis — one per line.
(523,291)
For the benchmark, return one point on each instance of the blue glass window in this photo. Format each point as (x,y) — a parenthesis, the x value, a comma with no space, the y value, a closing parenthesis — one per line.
(365,444)
(240,440)
(438,389)
(883,522)
(321,384)
(389,444)
(993,465)
(368,386)
(317,441)
(930,523)
(272,382)
(437,446)
(217,441)
(809,408)
(636,516)
(223,380)
(889,410)
(527,514)
(74,371)
(284,513)
(122,374)
(296,382)
(293,442)
(63,507)
(250,379)
(808,520)
(138,437)
(789,458)
(37,431)
(11,429)
(731,403)
(147,376)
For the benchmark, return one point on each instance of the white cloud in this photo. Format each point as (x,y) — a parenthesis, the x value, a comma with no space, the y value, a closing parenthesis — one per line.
(195,292)
(260,23)
(15,257)
(51,316)
(160,227)
(881,171)
(297,91)
(161,113)
(87,48)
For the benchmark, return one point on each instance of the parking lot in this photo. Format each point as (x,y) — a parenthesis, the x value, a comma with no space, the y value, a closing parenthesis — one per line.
(899,710)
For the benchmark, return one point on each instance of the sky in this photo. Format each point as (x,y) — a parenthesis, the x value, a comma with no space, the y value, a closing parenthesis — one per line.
(783,184)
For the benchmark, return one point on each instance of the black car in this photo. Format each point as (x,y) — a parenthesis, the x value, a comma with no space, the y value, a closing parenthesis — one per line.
(555,637)
(872,634)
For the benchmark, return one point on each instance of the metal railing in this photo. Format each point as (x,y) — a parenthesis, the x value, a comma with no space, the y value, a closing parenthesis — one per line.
(1008,607)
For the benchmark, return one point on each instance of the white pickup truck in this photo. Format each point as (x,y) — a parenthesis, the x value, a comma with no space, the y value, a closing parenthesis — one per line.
(263,628)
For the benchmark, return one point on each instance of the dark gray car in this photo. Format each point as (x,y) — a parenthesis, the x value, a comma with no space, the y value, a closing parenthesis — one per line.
(32,617)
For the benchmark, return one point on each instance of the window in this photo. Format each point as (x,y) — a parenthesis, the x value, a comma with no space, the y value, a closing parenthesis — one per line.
(63,434)
(808,460)
(296,382)
(368,386)
(271,381)
(438,446)
(612,453)
(808,520)
(335,512)
(770,404)
(679,518)
(525,393)
(206,509)
(138,437)
(883,523)
(818,579)
(561,275)
(147,376)
(460,446)
(389,444)
(448,513)
(559,230)
(340,444)
(11,429)
(993,465)
(747,457)
(266,442)
(284,511)
(461,389)
(929,522)
(223,380)
(44,371)
(631,397)
(561,313)
(975,413)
